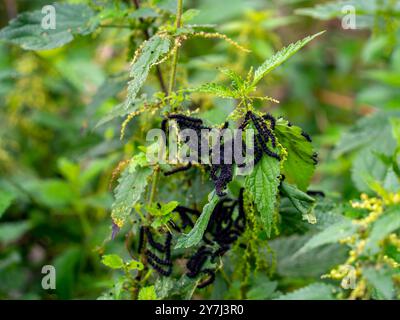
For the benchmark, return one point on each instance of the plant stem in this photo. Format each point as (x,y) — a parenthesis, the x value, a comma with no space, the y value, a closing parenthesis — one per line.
(171,86)
(154,185)
(146,34)
(178,24)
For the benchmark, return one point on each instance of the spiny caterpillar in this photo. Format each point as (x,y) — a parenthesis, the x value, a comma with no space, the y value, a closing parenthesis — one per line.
(222,229)
(263,136)
(156,262)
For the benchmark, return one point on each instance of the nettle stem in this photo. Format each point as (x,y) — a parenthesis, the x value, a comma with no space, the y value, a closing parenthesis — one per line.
(178,24)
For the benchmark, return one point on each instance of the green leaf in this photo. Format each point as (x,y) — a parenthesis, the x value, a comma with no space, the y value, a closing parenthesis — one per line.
(6,199)
(216,90)
(12,231)
(130,187)
(151,53)
(196,234)
(71,19)
(237,80)
(299,166)
(53,193)
(396,129)
(159,210)
(67,266)
(372,138)
(280,57)
(314,263)
(381,280)
(315,291)
(367,11)
(262,288)
(301,201)
(147,293)
(331,234)
(370,130)
(386,224)
(263,183)
(134,265)
(112,261)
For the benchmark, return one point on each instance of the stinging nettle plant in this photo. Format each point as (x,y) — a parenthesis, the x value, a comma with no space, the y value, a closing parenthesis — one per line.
(234,218)
(176,246)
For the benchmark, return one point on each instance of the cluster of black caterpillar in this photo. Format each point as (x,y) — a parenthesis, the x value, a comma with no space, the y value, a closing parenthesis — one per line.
(162,265)
(221,174)
(263,136)
(185,216)
(222,230)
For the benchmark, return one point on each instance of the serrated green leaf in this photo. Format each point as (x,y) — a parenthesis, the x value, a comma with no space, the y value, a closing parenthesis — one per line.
(386,224)
(280,57)
(196,234)
(315,291)
(331,234)
(314,263)
(151,52)
(381,280)
(71,19)
(216,90)
(367,131)
(263,183)
(299,166)
(262,288)
(130,187)
(147,293)
(301,201)
(112,261)
(237,80)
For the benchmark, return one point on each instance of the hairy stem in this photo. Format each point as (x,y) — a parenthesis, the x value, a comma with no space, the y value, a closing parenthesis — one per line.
(178,24)
(171,86)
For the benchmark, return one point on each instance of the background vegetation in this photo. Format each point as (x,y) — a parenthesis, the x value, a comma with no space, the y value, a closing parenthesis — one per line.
(57,166)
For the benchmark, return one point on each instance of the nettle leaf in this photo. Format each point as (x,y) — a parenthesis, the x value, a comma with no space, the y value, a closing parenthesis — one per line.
(332,234)
(280,57)
(315,291)
(151,53)
(147,293)
(373,139)
(131,185)
(263,183)
(216,90)
(301,201)
(237,81)
(385,225)
(196,234)
(381,280)
(299,166)
(314,263)
(370,130)
(71,19)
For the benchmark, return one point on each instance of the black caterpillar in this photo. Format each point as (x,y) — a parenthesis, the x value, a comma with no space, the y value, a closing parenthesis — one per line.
(263,135)
(155,261)
(223,229)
